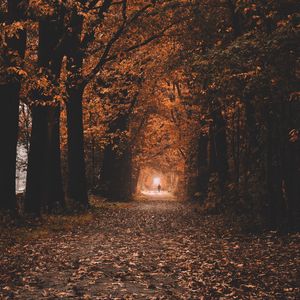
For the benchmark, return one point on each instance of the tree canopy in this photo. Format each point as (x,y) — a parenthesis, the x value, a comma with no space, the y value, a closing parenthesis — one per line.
(206,91)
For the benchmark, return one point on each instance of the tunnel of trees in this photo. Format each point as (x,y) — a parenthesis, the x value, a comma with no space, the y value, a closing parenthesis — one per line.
(102,96)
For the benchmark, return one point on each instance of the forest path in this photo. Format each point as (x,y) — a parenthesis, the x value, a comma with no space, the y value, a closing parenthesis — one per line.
(151,250)
(156,196)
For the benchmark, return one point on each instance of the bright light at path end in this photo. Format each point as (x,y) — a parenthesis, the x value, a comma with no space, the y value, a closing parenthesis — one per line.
(156,180)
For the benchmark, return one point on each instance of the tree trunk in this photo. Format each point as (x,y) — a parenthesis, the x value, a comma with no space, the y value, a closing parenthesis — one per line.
(36,161)
(116,171)
(292,169)
(44,155)
(54,193)
(203,166)
(220,148)
(116,174)
(44,179)
(10,106)
(251,156)
(77,187)
(9,132)
(135,179)
(276,208)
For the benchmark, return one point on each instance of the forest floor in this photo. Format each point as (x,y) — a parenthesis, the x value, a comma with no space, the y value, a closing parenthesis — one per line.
(146,250)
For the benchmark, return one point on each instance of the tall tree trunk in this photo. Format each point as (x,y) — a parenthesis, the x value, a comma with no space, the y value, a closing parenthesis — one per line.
(292,168)
(220,148)
(135,178)
(54,193)
(77,187)
(44,159)
(238,146)
(116,174)
(276,208)
(116,171)
(203,166)
(36,161)
(252,145)
(44,180)
(9,132)
(10,93)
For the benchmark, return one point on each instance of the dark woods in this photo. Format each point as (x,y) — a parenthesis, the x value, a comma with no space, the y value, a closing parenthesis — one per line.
(209,89)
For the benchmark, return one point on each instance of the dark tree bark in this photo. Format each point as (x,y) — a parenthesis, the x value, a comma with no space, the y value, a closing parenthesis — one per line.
(276,210)
(36,161)
(250,159)
(54,193)
(77,185)
(292,180)
(116,171)
(292,169)
(44,180)
(235,19)
(218,147)
(116,174)
(135,178)
(203,166)
(9,132)
(10,93)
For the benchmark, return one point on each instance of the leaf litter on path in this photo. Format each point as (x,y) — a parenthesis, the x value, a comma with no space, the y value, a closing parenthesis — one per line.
(152,250)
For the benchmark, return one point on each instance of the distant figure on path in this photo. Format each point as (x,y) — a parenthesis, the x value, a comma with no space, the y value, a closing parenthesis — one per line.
(159,188)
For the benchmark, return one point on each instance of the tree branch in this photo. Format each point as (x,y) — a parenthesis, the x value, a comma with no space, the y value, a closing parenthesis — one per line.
(125,24)
(89,36)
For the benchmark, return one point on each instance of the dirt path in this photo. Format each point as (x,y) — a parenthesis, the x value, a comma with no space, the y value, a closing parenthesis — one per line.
(152,250)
